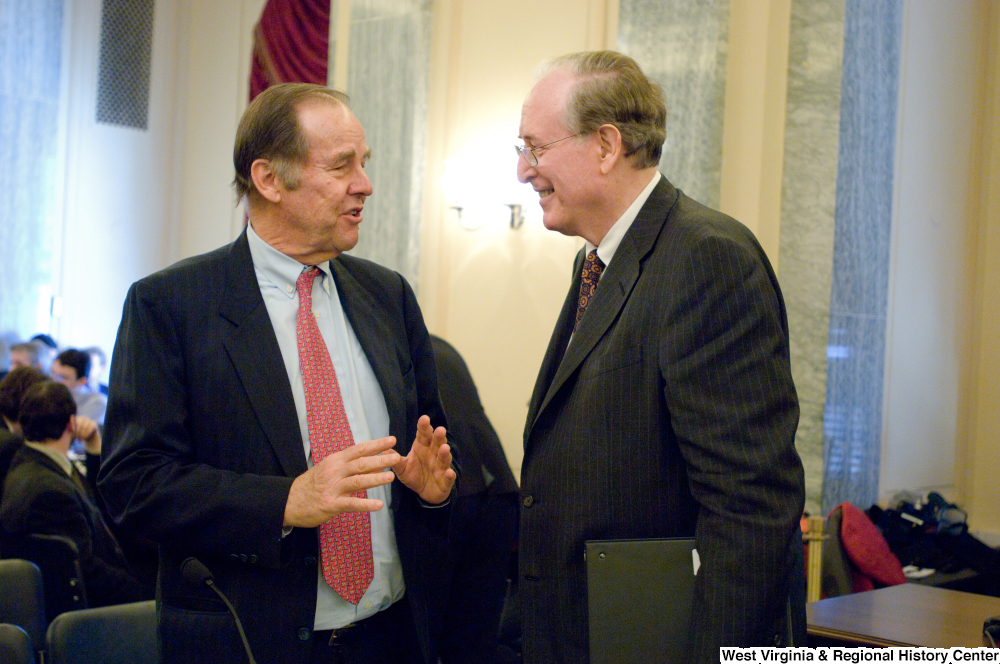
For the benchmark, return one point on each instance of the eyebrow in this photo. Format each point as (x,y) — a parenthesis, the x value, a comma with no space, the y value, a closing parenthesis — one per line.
(350,154)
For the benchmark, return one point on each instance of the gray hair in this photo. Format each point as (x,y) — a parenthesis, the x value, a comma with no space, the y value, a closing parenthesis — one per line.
(613,90)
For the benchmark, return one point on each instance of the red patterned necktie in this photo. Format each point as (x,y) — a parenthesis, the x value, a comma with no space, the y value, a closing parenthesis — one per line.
(345,540)
(592,268)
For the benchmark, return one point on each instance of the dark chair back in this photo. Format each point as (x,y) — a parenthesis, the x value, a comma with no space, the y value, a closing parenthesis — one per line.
(15,645)
(59,560)
(21,600)
(119,634)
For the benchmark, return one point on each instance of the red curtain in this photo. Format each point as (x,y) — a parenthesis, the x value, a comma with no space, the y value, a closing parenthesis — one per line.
(291,42)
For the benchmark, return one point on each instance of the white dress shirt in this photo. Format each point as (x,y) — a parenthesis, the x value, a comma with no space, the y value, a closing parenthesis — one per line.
(609,245)
(363,403)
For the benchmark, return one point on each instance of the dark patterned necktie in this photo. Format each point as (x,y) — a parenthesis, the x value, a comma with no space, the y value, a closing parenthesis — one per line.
(592,268)
(345,540)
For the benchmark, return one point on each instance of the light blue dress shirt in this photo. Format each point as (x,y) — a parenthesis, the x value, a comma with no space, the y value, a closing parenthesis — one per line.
(363,402)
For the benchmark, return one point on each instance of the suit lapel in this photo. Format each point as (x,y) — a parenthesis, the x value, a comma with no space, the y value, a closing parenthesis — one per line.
(613,292)
(254,352)
(377,340)
(557,346)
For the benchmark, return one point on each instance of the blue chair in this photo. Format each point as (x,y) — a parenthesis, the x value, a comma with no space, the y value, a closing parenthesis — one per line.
(22,602)
(118,634)
(59,559)
(15,645)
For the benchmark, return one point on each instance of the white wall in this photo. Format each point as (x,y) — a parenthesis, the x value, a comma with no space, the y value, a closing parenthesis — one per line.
(930,274)
(117,206)
(214,58)
(137,201)
(979,449)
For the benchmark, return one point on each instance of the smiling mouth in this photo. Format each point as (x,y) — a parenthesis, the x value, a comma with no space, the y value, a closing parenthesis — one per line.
(542,193)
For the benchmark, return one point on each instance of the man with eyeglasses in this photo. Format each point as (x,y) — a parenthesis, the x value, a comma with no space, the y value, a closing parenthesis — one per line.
(664,406)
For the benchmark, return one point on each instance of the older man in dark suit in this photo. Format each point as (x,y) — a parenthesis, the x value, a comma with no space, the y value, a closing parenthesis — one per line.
(272,413)
(664,406)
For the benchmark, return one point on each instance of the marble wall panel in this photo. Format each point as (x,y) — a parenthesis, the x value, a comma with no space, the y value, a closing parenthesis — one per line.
(861,251)
(30,48)
(682,44)
(809,180)
(852,424)
(388,65)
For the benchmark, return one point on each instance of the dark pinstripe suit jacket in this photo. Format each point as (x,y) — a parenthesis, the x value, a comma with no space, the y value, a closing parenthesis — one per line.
(202,444)
(671,413)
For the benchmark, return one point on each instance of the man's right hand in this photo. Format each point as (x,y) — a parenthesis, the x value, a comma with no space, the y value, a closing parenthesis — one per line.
(325,489)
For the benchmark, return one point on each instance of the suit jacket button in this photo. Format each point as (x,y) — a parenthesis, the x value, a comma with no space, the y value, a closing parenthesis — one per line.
(309,561)
(243,557)
(254,559)
(529,501)
(304,634)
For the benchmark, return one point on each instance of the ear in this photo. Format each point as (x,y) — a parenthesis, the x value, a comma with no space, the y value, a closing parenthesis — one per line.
(266,180)
(610,142)
(71,425)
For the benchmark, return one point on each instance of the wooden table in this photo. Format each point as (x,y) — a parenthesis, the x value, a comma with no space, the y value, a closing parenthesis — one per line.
(904,615)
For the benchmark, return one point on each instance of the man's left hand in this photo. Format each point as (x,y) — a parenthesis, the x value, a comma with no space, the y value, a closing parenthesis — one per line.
(427,470)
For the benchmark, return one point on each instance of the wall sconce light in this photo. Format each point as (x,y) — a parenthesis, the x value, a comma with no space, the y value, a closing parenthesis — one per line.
(469,222)
(516,215)
(479,196)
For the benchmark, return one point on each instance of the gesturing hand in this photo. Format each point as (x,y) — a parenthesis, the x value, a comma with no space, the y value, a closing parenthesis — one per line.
(427,470)
(325,489)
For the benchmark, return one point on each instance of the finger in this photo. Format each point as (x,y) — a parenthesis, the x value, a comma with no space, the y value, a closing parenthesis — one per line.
(439,437)
(372,464)
(355,504)
(372,447)
(444,455)
(425,432)
(368,448)
(356,483)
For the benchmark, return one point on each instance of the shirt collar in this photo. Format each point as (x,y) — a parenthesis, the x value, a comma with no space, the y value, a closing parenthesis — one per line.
(609,245)
(55,455)
(277,270)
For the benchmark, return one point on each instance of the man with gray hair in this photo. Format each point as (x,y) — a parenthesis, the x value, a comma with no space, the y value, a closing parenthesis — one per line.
(664,406)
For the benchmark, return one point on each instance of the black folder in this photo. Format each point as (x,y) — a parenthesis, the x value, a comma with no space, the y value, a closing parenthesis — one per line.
(639,599)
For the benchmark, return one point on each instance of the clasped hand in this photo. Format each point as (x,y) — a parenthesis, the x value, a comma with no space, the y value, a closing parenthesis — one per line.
(86,430)
(327,488)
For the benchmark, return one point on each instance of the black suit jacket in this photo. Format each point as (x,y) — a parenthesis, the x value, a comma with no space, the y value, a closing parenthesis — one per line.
(39,497)
(671,413)
(10,443)
(484,463)
(203,442)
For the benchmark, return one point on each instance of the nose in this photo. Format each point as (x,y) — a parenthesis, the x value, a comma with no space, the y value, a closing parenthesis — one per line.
(524,170)
(361,186)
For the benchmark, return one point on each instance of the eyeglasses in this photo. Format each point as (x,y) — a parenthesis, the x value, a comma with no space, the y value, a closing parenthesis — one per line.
(529,153)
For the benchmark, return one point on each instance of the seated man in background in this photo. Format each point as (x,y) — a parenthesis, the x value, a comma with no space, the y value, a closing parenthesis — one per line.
(12,388)
(47,350)
(72,369)
(44,493)
(98,365)
(24,355)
